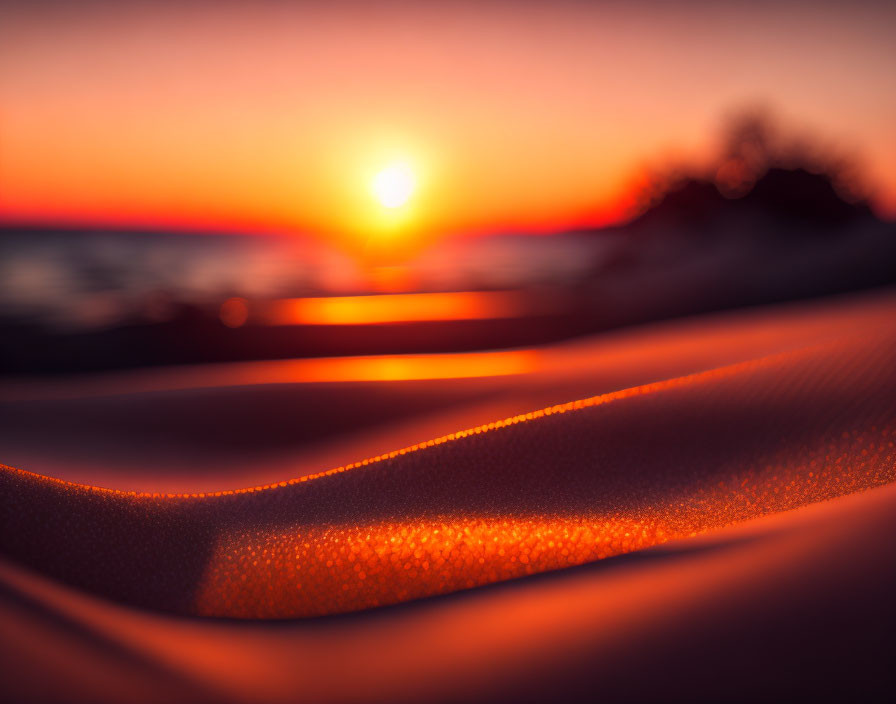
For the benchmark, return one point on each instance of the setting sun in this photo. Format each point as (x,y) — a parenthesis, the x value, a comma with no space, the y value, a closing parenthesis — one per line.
(394,185)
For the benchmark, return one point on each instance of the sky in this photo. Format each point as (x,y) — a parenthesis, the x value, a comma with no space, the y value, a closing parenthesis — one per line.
(274,116)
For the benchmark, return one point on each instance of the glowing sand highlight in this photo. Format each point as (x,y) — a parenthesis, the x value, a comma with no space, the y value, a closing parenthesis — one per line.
(395,308)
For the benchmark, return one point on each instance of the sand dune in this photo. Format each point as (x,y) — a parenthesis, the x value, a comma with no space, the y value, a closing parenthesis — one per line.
(792,607)
(638,440)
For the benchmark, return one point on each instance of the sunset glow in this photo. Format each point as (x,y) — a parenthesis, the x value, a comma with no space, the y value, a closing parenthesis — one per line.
(537,120)
(394,185)
(456,350)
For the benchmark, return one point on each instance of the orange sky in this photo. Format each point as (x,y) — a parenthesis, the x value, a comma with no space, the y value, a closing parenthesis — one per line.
(275,116)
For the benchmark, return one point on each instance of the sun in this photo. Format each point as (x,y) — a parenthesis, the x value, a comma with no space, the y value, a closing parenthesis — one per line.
(394,185)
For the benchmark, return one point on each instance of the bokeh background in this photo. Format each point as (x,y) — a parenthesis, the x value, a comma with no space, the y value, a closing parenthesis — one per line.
(186,181)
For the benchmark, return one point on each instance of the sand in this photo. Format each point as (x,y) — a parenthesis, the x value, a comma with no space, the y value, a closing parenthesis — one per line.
(696,510)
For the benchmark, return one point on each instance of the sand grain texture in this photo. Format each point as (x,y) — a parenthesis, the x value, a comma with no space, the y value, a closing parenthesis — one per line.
(772,412)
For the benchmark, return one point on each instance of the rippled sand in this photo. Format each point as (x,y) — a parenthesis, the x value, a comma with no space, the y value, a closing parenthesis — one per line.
(693,454)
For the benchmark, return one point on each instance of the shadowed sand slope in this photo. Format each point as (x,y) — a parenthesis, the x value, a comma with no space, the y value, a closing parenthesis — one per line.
(565,485)
(791,607)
